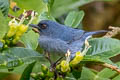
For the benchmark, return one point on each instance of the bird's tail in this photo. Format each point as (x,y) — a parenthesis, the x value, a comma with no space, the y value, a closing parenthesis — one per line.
(89,34)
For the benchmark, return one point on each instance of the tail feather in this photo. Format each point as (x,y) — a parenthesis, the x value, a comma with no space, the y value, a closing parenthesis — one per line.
(95,32)
(88,34)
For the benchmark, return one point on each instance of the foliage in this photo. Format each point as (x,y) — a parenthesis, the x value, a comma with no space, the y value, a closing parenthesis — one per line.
(3,26)
(18,43)
(4,6)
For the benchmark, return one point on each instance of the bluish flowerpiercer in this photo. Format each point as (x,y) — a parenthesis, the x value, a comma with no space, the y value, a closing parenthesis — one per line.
(58,38)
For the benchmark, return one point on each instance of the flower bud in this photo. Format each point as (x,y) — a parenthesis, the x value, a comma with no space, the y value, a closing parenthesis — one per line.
(51,78)
(12,31)
(59,78)
(5,46)
(22,28)
(65,66)
(50,73)
(44,68)
(41,74)
(58,67)
(77,58)
(8,41)
(33,75)
(15,40)
(3,41)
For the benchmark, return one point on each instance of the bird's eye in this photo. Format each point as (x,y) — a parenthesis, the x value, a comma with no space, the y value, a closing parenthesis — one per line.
(43,26)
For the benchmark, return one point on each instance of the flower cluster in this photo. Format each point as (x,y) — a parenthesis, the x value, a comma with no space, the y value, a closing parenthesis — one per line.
(45,74)
(16,30)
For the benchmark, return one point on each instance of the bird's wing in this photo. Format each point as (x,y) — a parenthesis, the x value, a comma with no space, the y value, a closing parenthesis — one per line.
(53,45)
(78,43)
(76,46)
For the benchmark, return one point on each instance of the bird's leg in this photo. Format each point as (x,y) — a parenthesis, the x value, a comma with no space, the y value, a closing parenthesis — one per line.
(53,64)
(47,55)
(57,62)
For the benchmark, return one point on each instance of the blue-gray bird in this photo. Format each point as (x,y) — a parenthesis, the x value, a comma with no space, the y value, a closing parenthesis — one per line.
(58,38)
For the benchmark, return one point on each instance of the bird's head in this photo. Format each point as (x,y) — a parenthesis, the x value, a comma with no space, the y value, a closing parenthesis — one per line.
(47,28)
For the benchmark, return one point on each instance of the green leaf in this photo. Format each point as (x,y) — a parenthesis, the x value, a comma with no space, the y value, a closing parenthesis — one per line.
(109,73)
(87,74)
(76,74)
(30,39)
(27,71)
(106,73)
(116,78)
(104,47)
(61,7)
(45,16)
(90,58)
(4,6)
(3,26)
(74,18)
(49,2)
(14,57)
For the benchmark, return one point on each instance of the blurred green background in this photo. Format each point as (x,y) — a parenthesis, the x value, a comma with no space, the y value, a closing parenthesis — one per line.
(98,14)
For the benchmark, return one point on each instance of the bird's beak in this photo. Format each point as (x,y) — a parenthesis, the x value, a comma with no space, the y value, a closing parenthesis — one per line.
(35,28)
(33,25)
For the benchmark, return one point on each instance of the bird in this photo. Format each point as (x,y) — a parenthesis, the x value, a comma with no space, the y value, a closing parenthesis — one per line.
(59,38)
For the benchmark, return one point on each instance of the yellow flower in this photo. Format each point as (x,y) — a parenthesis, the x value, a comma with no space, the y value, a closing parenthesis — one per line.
(21,30)
(77,58)
(17,29)
(13,28)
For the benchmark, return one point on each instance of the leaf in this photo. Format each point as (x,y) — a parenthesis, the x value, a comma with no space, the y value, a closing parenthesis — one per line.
(104,47)
(116,78)
(49,2)
(61,7)
(90,58)
(30,40)
(74,18)
(45,16)
(76,74)
(14,57)
(106,73)
(4,6)
(87,74)
(109,73)
(3,26)
(27,71)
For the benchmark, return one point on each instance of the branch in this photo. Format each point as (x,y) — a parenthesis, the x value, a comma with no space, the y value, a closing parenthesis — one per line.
(10,16)
(115,68)
(114,32)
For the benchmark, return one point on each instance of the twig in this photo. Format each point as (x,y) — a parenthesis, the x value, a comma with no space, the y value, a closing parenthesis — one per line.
(10,16)
(115,68)
(114,32)
(57,62)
